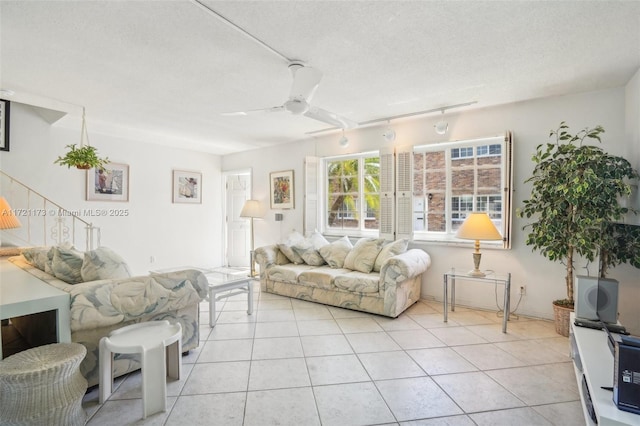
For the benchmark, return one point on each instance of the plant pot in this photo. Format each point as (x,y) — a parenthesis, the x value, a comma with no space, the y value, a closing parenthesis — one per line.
(83,166)
(561,319)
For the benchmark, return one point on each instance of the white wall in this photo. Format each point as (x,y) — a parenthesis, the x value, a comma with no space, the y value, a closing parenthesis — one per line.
(175,234)
(530,122)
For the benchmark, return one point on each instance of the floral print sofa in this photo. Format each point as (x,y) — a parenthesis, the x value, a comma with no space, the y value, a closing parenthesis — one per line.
(373,276)
(102,305)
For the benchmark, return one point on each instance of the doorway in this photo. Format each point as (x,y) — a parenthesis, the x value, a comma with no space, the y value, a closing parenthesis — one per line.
(237,230)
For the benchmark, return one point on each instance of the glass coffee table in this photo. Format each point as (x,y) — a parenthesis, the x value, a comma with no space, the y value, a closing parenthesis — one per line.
(222,285)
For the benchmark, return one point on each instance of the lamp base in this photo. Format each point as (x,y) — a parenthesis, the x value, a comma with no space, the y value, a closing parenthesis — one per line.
(476,273)
(252,260)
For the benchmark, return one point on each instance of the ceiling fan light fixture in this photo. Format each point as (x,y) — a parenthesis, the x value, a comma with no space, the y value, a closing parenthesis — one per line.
(296,106)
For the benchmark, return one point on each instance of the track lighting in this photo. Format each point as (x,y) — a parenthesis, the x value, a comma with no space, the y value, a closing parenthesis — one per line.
(441,126)
(389,134)
(344,141)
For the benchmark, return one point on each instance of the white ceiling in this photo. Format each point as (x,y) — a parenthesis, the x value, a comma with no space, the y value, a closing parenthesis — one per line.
(164,71)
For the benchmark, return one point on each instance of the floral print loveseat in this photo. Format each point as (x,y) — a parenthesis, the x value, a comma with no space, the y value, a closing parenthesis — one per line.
(373,275)
(102,305)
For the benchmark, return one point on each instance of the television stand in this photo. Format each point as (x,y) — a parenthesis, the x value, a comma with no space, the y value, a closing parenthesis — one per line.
(593,359)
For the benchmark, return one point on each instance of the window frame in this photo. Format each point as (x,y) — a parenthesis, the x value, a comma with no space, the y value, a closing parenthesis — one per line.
(363,211)
(448,236)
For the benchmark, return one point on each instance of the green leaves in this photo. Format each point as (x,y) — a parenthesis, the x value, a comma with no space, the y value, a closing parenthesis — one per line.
(574,199)
(85,157)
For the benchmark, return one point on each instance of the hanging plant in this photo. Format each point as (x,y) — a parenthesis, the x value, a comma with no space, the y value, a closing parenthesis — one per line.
(86,156)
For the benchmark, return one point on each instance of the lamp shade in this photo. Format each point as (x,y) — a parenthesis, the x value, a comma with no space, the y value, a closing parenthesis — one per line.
(8,219)
(252,208)
(478,226)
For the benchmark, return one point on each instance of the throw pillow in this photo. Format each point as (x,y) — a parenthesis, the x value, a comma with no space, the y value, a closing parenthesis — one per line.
(103,263)
(308,249)
(38,256)
(363,255)
(392,249)
(66,265)
(335,253)
(286,247)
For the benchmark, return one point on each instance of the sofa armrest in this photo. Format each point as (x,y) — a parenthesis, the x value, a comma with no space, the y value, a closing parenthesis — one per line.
(268,256)
(109,302)
(403,266)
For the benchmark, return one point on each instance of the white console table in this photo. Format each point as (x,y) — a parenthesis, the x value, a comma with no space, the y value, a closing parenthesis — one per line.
(591,352)
(22,294)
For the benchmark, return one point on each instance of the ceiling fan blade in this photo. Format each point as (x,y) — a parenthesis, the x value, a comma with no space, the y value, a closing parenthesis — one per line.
(254,111)
(305,82)
(330,118)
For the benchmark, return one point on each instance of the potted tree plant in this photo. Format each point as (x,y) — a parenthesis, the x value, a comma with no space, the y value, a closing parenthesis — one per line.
(620,243)
(575,193)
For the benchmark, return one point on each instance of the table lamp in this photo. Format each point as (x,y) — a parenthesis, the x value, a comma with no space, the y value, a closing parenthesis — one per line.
(252,209)
(8,219)
(478,226)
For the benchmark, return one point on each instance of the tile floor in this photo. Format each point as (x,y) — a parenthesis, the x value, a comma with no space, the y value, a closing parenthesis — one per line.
(299,363)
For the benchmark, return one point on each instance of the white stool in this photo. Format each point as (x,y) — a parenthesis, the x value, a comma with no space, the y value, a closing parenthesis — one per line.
(159,344)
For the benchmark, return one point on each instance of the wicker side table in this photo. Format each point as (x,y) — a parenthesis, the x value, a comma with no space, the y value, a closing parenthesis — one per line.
(43,385)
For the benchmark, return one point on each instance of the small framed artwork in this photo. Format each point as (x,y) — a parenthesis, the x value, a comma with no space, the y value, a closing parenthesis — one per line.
(5,107)
(187,187)
(109,184)
(282,189)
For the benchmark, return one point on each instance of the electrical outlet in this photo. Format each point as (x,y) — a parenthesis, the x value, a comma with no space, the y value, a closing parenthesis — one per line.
(523,290)
(152,259)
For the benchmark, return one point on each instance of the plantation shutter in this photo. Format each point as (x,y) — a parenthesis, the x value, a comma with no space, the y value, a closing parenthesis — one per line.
(387,186)
(507,222)
(404,189)
(311,193)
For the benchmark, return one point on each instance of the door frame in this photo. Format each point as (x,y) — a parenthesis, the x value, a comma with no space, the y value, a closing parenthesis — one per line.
(225,207)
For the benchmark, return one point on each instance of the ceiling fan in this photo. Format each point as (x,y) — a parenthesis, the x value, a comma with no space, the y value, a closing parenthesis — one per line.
(305,82)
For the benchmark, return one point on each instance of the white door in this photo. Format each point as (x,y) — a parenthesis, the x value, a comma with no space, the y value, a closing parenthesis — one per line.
(238,230)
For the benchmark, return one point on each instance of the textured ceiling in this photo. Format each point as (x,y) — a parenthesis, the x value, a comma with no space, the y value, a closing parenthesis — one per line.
(165,71)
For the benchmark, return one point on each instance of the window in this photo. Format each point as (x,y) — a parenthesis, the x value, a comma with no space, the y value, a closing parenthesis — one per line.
(352,200)
(451,180)
(416,192)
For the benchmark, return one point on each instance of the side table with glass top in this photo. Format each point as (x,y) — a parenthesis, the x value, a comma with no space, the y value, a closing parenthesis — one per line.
(489,278)
(221,285)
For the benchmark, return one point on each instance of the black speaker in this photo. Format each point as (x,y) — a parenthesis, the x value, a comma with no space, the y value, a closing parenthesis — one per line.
(597,298)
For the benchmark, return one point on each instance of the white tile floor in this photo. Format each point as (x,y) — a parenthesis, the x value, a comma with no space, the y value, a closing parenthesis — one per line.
(300,363)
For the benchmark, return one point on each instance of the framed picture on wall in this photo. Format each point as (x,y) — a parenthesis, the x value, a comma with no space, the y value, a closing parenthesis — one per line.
(187,187)
(282,191)
(5,107)
(109,184)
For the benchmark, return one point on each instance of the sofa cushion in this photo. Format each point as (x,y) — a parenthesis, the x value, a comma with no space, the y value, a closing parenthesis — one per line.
(38,256)
(103,263)
(321,277)
(358,282)
(335,253)
(389,250)
(308,249)
(287,273)
(66,265)
(363,255)
(286,247)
